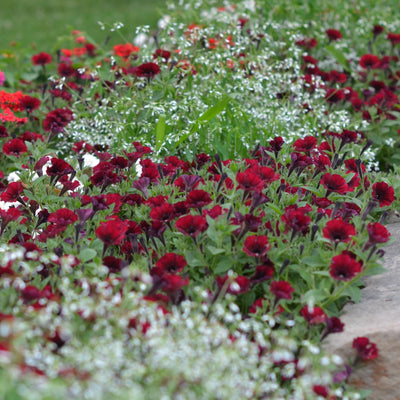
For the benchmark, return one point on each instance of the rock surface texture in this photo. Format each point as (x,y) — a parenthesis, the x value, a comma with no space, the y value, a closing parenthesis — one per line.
(376,316)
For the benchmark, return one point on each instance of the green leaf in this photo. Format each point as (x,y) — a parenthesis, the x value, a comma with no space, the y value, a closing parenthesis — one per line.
(223,266)
(194,259)
(353,292)
(339,56)
(215,250)
(214,110)
(87,254)
(315,296)
(160,131)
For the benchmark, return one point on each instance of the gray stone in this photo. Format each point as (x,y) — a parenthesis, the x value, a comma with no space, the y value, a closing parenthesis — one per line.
(376,316)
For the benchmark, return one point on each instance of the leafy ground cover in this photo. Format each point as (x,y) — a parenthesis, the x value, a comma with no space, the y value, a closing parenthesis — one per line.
(185,215)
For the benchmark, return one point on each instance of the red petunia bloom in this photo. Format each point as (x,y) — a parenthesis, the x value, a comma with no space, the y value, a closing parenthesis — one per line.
(13,192)
(256,245)
(41,59)
(29,103)
(12,214)
(62,217)
(377,30)
(249,181)
(305,145)
(147,70)
(164,54)
(344,266)
(338,230)
(282,289)
(333,34)
(171,283)
(171,262)
(191,225)
(240,284)
(15,147)
(112,232)
(384,193)
(366,349)
(394,38)
(114,264)
(59,167)
(57,120)
(313,315)
(164,212)
(334,95)
(296,220)
(308,43)
(198,198)
(377,233)
(370,61)
(334,183)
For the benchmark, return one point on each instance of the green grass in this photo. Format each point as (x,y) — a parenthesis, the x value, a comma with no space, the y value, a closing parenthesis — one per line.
(38,23)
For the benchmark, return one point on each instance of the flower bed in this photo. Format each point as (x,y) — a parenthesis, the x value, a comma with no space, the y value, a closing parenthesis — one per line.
(186,217)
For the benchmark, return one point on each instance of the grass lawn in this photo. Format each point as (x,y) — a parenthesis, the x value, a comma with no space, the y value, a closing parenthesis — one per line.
(38,23)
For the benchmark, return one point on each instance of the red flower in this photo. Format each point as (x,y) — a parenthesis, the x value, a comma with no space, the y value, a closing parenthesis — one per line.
(334,325)
(313,315)
(29,103)
(240,285)
(114,264)
(321,391)
(111,232)
(344,266)
(366,349)
(338,230)
(147,70)
(13,192)
(377,29)
(281,289)
(377,233)
(198,198)
(66,70)
(172,283)
(384,193)
(164,212)
(249,181)
(256,245)
(333,34)
(59,167)
(296,220)
(308,43)
(394,38)
(63,217)
(334,95)
(369,61)
(41,59)
(14,147)
(125,50)
(334,183)
(191,225)
(305,145)
(57,120)
(165,54)
(12,214)
(171,262)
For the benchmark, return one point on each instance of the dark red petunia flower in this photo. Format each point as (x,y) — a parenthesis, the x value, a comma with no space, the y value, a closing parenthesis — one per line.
(334,95)
(276,144)
(282,289)
(57,120)
(334,325)
(171,283)
(334,183)
(394,38)
(266,174)
(12,214)
(366,349)
(370,61)
(41,59)
(263,272)
(249,181)
(338,230)
(344,267)
(62,217)
(187,182)
(147,70)
(114,264)
(105,178)
(377,233)
(164,212)
(171,262)
(3,131)
(198,198)
(191,225)
(165,54)
(15,147)
(384,193)
(296,220)
(256,245)
(66,70)
(333,34)
(377,30)
(29,103)
(308,43)
(59,167)
(112,232)
(305,145)
(13,192)
(313,315)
